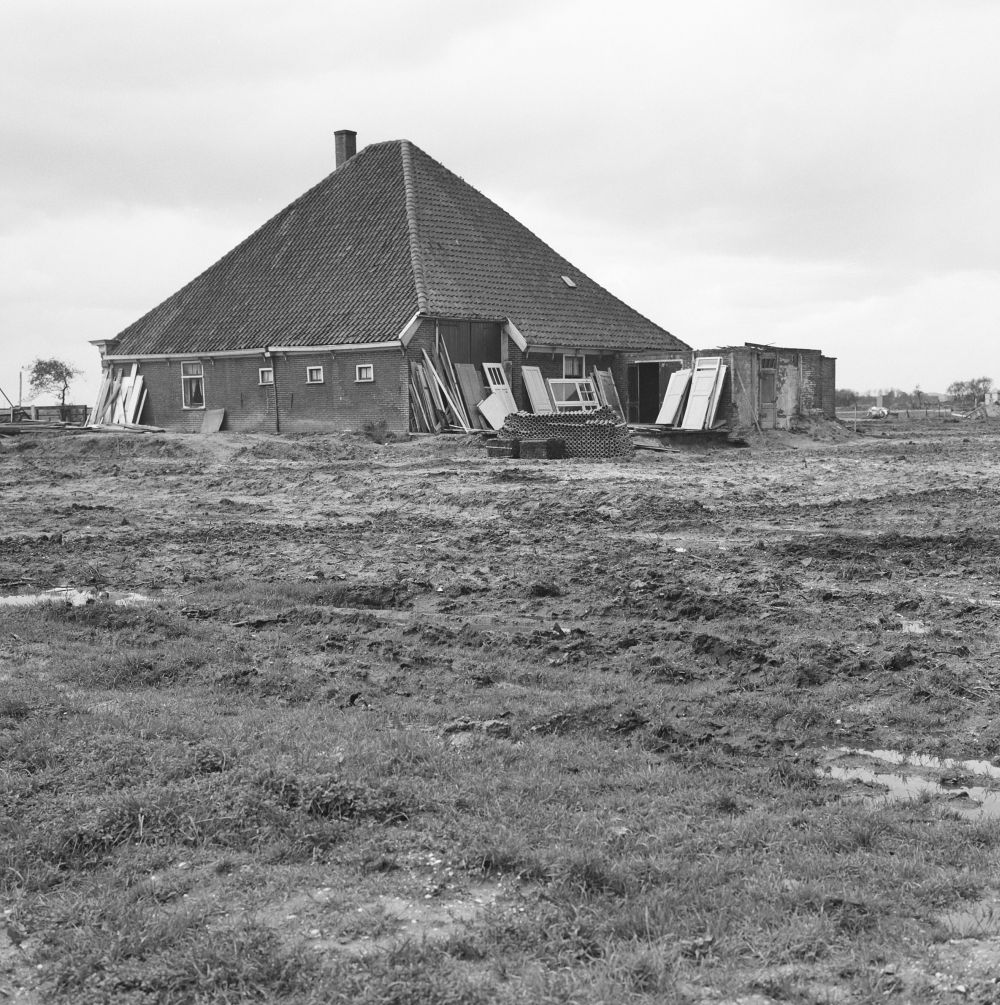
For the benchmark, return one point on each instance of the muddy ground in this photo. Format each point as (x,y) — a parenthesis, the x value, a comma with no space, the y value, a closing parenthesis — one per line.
(712,625)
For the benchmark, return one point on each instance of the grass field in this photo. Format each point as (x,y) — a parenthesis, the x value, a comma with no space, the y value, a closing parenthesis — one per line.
(395,723)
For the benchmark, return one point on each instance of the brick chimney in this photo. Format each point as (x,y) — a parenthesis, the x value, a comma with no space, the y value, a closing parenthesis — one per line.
(347,144)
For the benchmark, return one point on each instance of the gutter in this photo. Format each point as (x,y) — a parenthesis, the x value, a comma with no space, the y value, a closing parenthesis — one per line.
(220,353)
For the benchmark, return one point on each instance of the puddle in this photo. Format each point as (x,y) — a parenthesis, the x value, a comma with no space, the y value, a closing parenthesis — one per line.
(73,598)
(946,764)
(910,779)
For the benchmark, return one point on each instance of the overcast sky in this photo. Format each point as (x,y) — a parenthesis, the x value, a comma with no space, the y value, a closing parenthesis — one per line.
(819,173)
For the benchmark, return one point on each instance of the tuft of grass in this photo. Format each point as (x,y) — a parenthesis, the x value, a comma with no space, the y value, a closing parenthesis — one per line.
(13,708)
(377,432)
(135,952)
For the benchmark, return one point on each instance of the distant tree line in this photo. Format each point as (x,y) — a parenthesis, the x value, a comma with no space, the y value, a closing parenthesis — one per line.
(965,393)
(971,391)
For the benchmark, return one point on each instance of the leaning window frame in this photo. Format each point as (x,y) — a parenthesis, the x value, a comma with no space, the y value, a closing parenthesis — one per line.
(186,378)
(314,380)
(361,368)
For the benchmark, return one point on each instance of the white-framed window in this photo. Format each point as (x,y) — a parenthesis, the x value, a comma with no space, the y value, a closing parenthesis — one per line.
(266,375)
(193,385)
(364,373)
(574,366)
(314,375)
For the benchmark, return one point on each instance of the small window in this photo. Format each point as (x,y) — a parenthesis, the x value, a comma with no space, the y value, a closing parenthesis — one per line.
(569,282)
(574,366)
(193,385)
(266,375)
(314,375)
(364,373)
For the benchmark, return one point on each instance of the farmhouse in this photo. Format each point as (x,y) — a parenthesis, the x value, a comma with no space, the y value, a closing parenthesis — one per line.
(314,321)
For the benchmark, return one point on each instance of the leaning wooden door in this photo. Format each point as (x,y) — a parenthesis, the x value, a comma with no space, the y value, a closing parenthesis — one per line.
(768,387)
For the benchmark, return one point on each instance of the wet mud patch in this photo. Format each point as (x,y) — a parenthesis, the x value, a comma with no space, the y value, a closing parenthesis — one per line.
(970,789)
(602,719)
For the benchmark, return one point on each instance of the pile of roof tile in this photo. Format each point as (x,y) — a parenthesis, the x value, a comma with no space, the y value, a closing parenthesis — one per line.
(599,433)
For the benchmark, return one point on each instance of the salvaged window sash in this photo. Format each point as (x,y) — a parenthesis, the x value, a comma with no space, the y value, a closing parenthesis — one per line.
(574,395)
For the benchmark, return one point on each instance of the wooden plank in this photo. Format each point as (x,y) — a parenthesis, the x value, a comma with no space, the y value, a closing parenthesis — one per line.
(604,381)
(102,395)
(109,408)
(426,397)
(126,395)
(455,410)
(703,380)
(105,415)
(211,420)
(429,382)
(135,399)
(676,390)
(470,384)
(713,405)
(452,379)
(420,420)
(538,393)
(142,404)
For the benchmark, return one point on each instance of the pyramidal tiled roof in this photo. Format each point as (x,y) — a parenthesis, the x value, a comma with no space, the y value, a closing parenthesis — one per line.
(391,232)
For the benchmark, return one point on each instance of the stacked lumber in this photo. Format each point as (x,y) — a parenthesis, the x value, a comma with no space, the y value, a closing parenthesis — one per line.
(120,399)
(453,397)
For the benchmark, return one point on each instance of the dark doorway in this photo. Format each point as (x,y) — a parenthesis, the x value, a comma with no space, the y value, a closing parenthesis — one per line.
(647,384)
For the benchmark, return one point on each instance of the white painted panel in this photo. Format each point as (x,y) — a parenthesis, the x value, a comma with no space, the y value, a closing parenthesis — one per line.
(713,405)
(494,410)
(676,387)
(496,378)
(534,384)
(706,373)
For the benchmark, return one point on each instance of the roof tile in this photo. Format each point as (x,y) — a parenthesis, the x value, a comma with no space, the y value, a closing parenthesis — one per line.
(389,232)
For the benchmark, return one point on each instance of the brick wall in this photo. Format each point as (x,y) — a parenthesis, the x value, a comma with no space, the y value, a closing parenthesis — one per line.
(339,402)
(828,386)
(810,386)
(231,382)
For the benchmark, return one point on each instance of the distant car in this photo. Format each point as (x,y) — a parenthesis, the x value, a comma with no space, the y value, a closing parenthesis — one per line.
(877,412)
